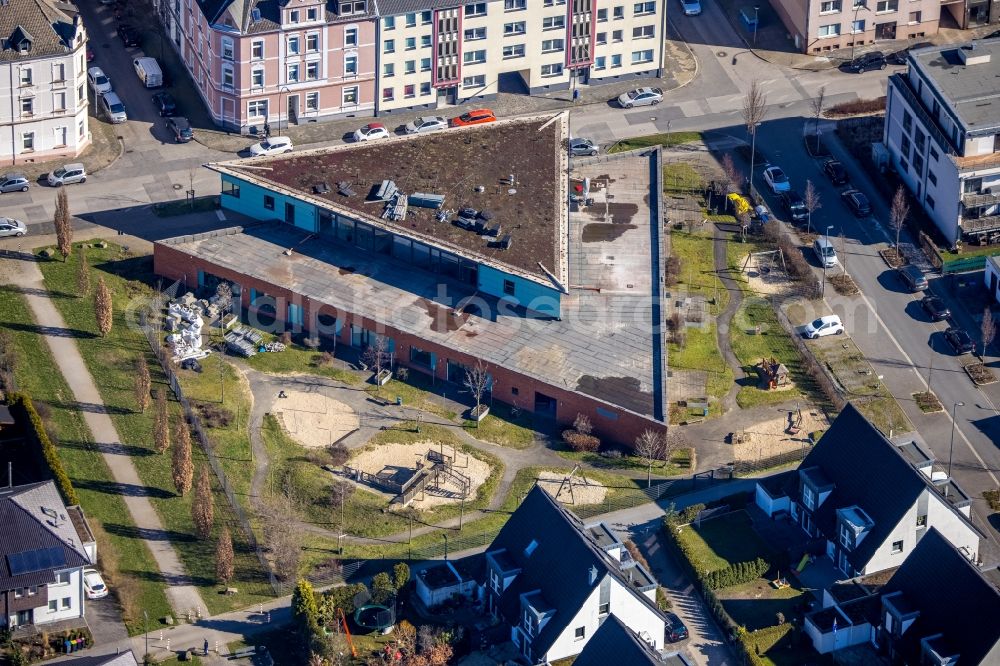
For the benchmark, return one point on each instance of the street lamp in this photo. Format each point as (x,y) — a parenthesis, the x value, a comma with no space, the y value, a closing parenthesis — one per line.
(823,288)
(756,21)
(753,155)
(145,629)
(951,448)
(858,6)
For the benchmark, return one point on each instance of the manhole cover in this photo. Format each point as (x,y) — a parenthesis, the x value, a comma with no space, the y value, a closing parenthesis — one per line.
(177,186)
(721,54)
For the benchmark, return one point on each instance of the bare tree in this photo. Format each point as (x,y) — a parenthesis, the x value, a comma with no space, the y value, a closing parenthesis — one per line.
(82,275)
(64,229)
(203,506)
(376,356)
(224,557)
(754,109)
(477,380)
(898,213)
(817,108)
(141,384)
(842,252)
(649,447)
(731,174)
(812,203)
(182,470)
(283,536)
(988,328)
(103,308)
(161,424)
(582,424)
(673,442)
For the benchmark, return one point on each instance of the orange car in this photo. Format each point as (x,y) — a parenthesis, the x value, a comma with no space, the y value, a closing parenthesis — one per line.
(474,117)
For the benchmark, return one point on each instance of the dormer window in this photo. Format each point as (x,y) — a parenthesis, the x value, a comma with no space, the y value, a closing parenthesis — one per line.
(808,497)
(528,623)
(846,536)
(312,14)
(530,548)
(24,46)
(350,7)
(293,16)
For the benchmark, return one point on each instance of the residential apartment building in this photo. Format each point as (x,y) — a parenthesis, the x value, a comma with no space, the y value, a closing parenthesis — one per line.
(261,61)
(433,53)
(869,500)
(43,551)
(43,89)
(942,134)
(818,26)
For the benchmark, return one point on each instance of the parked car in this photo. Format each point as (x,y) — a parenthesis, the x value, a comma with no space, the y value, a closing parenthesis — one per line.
(13,182)
(426,124)
(165,104)
(98,80)
(828,325)
(866,63)
(935,308)
(959,340)
(674,628)
(691,7)
(275,145)
(836,172)
(578,147)
(640,97)
(794,205)
(93,584)
(11,227)
(90,55)
(113,107)
(149,72)
(474,117)
(776,179)
(823,249)
(67,175)
(371,131)
(857,202)
(181,129)
(130,36)
(912,277)
(898,57)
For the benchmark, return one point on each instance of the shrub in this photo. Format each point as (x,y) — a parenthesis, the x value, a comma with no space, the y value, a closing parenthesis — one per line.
(857,107)
(37,431)
(689,514)
(737,574)
(580,442)
(992,498)
(633,550)
(662,600)
(213,416)
(672,270)
(338,454)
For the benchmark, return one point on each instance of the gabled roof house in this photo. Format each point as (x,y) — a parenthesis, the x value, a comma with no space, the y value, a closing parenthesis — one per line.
(871,500)
(554,581)
(614,643)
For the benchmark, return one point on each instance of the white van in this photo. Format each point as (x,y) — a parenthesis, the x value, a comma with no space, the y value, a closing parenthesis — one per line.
(148,70)
(825,253)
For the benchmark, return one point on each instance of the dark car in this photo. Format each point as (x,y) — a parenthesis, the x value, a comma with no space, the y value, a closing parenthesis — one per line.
(794,205)
(935,308)
(674,629)
(181,129)
(898,57)
(912,277)
(857,202)
(165,104)
(836,172)
(959,340)
(866,63)
(130,36)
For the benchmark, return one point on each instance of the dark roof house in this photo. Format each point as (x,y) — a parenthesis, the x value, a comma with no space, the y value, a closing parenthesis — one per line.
(614,643)
(31,29)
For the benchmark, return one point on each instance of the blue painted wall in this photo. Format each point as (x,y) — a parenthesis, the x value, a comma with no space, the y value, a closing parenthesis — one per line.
(526,293)
(251,203)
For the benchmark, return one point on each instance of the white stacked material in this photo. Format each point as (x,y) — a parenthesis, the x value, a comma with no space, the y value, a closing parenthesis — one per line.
(186,300)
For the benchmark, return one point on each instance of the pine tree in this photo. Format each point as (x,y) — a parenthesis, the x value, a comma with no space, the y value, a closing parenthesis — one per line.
(161,425)
(305,611)
(102,308)
(142,384)
(224,557)
(183,469)
(82,276)
(64,229)
(202,508)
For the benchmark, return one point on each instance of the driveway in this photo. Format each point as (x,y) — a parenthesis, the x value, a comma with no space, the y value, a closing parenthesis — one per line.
(105,621)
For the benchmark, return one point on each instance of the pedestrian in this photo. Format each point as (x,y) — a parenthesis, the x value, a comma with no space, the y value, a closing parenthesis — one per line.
(206,647)
(267,129)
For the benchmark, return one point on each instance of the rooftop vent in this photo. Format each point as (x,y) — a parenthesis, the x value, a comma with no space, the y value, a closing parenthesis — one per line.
(970,55)
(321,188)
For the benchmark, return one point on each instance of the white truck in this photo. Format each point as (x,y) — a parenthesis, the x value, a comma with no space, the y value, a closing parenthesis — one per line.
(148,71)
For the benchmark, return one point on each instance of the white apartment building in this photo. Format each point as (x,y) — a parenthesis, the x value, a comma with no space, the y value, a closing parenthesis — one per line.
(942,132)
(434,53)
(43,90)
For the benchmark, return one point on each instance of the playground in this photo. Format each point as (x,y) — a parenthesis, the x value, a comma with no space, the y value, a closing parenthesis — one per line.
(573,489)
(766,273)
(788,431)
(313,419)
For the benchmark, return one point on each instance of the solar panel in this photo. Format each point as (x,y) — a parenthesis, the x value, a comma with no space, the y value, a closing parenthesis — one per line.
(36,560)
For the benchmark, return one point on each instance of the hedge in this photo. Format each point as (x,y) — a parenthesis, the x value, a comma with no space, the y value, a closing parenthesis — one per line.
(22,401)
(737,574)
(756,643)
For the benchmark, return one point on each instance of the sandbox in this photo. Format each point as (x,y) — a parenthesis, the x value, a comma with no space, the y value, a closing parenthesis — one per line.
(585,491)
(313,419)
(771,437)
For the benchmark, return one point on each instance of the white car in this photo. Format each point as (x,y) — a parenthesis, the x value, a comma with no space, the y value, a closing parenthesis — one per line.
(371,131)
(11,227)
(691,7)
(776,179)
(828,325)
(640,97)
(113,107)
(94,585)
(98,80)
(274,145)
(426,124)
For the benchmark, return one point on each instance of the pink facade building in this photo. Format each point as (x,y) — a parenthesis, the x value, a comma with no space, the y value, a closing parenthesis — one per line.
(257,61)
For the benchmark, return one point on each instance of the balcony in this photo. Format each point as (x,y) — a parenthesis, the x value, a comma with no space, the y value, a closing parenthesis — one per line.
(981,225)
(974,199)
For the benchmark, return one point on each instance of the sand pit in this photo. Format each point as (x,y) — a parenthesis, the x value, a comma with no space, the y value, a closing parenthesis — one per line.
(766,277)
(313,419)
(397,463)
(769,438)
(584,491)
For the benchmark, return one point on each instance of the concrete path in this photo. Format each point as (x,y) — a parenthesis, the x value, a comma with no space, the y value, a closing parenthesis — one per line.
(182,595)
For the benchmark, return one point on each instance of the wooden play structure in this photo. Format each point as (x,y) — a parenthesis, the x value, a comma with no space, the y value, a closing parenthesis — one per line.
(772,374)
(794,422)
(568,483)
(432,471)
(766,261)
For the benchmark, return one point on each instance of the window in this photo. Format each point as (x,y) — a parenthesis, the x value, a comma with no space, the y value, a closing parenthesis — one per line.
(644,32)
(227,76)
(914,17)
(897,547)
(552,70)
(18,593)
(919,140)
(257,50)
(619,12)
(513,28)
(312,14)
(388,69)
(904,146)
(293,73)
(411,20)
(599,62)
(642,8)
(846,536)
(934,154)
(477,9)
(53,605)
(472,34)
(257,109)
(389,46)
(425,41)
(552,45)
(829,6)
(602,14)
(514,390)
(930,201)
(59,101)
(387,94)
(552,3)
(474,57)
(508,289)
(514,5)
(602,38)
(931,177)
(25,76)
(616,36)
(312,43)
(66,603)
(425,64)
(579,633)
(350,96)
(389,23)
(918,164)
(27,106)
(419,356)
(312,69)
(513,51)
(58,72)
(293,16)
(268,202)
(907,121)
(410,91)
(227,48)
(477,81)
(257,78)
(410,66)
(32,591)
(411,43)
(350,65)
(922,521)
(62,578)
(553,22)
(616,61)
(425,89)
(886,5)
(642,56)
(293,45)
(808,498)
(426,17)
(604,609)
(858,26)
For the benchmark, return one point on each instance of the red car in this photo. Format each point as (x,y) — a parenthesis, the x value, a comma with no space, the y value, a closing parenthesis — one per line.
(90,55)
(474,117)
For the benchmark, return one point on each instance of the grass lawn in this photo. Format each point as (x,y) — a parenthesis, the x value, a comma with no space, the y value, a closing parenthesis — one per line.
(755,605)
(773,342)
(679,462)
(185,207)
(118,546)
(722,541)
(416,391)
(298,359)
(111,362)
(503,428)
(701,352)
(681,177)
(698,267)
(666,139)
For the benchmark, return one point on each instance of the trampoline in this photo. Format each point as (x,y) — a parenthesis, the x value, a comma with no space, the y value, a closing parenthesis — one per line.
(375,616)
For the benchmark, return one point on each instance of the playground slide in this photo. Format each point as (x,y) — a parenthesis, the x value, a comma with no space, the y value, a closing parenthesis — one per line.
(803,564)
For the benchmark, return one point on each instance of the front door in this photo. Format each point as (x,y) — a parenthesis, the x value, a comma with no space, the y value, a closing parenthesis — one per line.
(293,109)
(289,213)
(885,30)
(545,405)
(25,617)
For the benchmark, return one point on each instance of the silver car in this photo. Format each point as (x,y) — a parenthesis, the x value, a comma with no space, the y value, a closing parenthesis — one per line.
(640,97)
(426,124)
(13,182)
(113,107)
(11,227)
(67,175)
(582,147)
